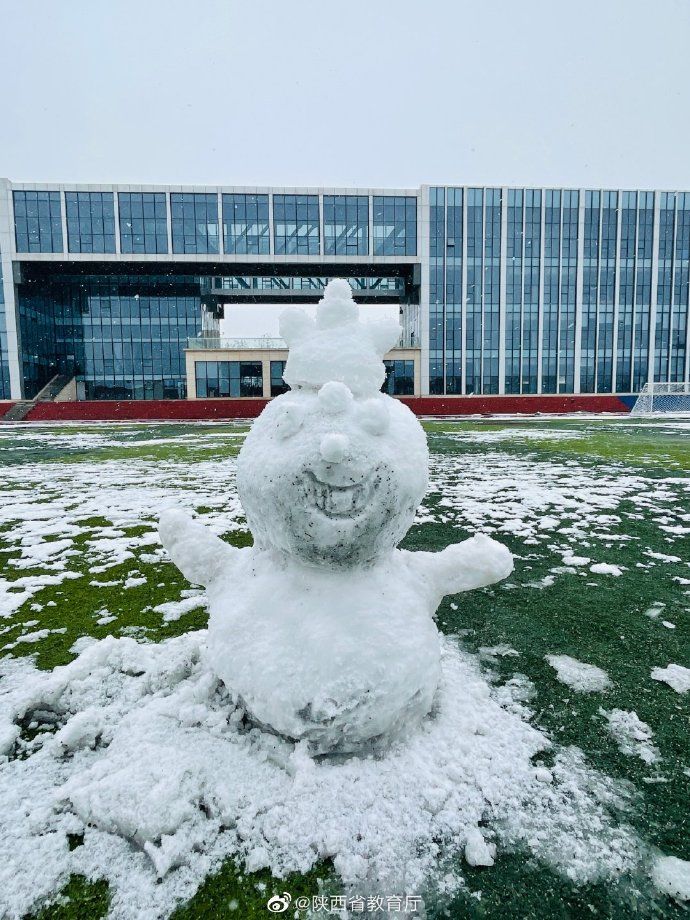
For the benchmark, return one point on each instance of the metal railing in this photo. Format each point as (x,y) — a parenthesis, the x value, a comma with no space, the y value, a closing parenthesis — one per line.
(305,284)
(269,343)
(221,342)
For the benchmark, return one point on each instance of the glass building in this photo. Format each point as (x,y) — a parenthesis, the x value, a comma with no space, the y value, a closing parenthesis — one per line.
(501,291)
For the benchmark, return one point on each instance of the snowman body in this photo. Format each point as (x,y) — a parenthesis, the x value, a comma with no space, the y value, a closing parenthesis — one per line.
(341,658)
(323,630)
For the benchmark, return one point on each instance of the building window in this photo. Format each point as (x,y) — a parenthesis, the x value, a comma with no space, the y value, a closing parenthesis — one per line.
(37,221)
(399,378)
(395,225)
(245,224)
(143,222)
(122,336)
(346,225)
(228,378)
(278,385)
(194,223)
(296,224)
(90,221)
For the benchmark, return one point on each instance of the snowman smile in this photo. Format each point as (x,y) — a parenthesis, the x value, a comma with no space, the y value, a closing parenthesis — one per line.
(338,501)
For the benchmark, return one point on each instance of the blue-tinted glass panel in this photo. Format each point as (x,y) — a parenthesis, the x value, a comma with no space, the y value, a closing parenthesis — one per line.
(143,222)
(245,224)
(228,378)
(194,222)
(399,378)
(296,224)
(346,225)
(37,221)
(395,225)
(90,221)
(278,384)
(123,337)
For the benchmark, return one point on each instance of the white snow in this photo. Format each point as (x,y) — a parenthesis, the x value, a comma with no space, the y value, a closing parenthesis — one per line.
(164,781)
(633,736)
(477,851)
(173,610)
(675,675)
(672,876)
(606,568)
(581,677)
(662,557)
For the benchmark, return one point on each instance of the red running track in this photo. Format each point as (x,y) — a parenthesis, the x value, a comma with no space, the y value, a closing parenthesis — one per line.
(210,409)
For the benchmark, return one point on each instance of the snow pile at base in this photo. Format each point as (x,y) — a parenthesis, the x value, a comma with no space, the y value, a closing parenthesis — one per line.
(144,755)
(675,675)
(634,737)
(581,677)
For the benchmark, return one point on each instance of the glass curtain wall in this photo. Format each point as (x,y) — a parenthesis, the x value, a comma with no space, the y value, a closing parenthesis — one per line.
(123,338)
(395,225)
(194,219)
(437,249)
(296,225)
(399,378)
(245,224)
(37,221)
(90,221)
(143,219)
(228,378)
(475,290)
(346,225)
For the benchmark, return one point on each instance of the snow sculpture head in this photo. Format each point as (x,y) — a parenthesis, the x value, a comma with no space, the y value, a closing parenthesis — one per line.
(332,472)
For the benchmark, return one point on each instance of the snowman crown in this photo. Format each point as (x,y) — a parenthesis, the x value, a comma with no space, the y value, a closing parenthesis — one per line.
(336,345)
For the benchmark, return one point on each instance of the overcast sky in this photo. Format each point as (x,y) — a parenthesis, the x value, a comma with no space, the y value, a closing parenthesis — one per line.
(361,93)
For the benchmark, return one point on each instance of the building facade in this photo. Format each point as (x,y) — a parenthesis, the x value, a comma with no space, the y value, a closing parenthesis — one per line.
(501,290)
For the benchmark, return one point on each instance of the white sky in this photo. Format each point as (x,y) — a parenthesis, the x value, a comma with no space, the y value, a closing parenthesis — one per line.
(250,320)
(361,93)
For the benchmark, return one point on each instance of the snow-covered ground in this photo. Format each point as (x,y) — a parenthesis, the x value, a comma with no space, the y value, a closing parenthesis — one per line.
(135,746)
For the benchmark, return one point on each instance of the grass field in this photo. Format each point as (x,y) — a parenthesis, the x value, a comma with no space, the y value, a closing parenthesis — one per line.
(79,556)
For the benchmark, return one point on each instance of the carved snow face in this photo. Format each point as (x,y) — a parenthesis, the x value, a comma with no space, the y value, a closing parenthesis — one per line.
(332,479)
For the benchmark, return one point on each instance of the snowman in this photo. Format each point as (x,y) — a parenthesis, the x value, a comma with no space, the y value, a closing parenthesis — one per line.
(323,631)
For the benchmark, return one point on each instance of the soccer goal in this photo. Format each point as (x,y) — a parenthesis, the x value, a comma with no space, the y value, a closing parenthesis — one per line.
(663,398)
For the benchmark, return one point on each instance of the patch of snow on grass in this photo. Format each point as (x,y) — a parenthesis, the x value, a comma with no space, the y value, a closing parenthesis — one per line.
(672,876)
(675,675)
(633,736)
(173,610)
(606,568)
(579,676)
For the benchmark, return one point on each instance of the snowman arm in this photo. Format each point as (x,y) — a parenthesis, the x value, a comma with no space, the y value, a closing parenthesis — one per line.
(474,563)
(198,554)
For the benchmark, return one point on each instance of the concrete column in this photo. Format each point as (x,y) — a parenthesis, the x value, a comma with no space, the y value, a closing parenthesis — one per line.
(221,235)
(116,213)
(168,212)
(191,375)
(7,251)
(266,376)
(63,217)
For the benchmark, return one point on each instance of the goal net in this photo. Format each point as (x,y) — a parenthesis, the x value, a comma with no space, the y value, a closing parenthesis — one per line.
(663,398)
